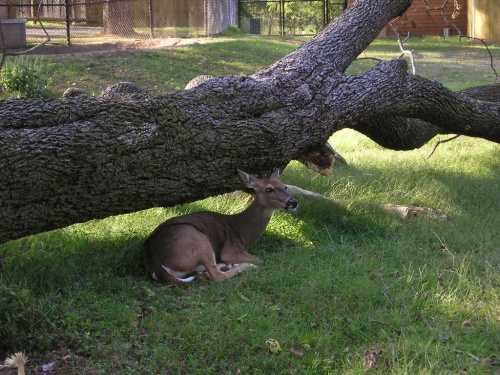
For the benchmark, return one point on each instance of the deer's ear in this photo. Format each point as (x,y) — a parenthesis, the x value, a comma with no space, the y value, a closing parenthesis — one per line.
(275,175)
(249,180)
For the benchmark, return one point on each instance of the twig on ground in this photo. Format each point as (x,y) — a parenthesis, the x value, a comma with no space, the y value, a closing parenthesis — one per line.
(442,141)
(385,324)
(445,247)
(469,354)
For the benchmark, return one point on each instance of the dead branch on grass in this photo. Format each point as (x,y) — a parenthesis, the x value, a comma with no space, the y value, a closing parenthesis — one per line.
(402,211)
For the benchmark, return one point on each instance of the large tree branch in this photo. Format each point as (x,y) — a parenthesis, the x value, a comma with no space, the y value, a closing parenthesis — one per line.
(398,107)
(80,158)
(403,133)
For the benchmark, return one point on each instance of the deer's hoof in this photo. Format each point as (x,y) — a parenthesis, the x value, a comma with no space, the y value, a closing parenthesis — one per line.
(247,265)
(226,267)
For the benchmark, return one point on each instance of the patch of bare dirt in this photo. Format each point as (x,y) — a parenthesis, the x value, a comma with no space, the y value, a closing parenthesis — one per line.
(118,45)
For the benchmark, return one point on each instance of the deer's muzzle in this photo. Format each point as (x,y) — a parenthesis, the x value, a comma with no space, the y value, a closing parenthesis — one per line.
(292,204)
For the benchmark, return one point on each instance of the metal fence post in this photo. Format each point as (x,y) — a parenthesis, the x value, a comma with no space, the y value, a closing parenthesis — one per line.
(282,16)
(326,12)
(151,20)
(68,30)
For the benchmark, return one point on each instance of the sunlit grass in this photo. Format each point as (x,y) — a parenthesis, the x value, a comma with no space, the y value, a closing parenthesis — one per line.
(456,64)
(164,70)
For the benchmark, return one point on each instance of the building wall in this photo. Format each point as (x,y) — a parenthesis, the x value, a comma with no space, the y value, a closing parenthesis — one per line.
(418,21)
(484,20)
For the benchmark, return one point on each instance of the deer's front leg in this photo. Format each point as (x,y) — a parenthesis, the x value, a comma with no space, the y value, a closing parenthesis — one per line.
(218,275)
(234,255)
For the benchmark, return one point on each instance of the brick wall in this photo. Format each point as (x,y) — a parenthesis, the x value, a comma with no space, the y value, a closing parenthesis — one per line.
(419,21)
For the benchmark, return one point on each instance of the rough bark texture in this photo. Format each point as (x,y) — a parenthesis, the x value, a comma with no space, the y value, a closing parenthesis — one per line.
(80,158)
(117,18)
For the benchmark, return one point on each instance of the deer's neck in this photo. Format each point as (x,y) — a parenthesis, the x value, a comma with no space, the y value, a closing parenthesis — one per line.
(251,223)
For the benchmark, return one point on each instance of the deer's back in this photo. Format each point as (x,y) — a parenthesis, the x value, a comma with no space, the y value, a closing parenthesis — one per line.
(217,227)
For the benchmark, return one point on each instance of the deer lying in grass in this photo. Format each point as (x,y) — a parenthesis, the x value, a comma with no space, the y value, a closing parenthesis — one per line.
(187,245)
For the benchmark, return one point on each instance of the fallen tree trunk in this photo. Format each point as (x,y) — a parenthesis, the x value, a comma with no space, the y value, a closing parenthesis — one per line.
(81,158)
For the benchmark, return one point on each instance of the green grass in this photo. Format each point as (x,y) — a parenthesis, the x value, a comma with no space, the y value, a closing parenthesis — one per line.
(164,70)
(457,65)
(335,279)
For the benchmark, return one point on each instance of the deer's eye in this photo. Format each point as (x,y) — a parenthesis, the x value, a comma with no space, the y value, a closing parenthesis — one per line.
(269,190)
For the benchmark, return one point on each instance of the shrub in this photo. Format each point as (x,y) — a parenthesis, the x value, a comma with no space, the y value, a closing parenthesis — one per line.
(233,32)
(14,318)
(23,77)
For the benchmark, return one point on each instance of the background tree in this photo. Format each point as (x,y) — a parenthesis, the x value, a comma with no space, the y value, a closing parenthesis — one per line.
(117,18)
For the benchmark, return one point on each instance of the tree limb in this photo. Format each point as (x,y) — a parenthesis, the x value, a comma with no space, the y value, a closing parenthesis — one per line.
(440,142)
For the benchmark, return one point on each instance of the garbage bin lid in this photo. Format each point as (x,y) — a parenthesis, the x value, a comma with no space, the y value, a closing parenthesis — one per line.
(13,20)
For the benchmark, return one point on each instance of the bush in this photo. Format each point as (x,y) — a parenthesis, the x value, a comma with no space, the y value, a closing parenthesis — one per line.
(24,77)
(14,318)
(233,32)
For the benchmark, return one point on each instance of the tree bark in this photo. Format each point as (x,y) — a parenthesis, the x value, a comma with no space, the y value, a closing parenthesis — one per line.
(117,18)
(80,158)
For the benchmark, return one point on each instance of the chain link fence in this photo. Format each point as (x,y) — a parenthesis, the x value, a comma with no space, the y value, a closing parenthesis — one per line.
(26,23)
(288,17)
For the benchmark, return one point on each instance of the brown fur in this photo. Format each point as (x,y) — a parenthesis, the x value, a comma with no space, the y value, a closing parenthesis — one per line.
(198,242)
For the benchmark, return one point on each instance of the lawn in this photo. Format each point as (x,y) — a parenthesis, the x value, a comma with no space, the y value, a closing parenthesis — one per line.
(336,278)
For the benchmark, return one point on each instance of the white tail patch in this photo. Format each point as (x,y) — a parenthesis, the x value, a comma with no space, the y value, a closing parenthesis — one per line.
(179,276)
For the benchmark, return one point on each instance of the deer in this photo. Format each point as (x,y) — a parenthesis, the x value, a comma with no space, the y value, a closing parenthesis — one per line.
(214,244)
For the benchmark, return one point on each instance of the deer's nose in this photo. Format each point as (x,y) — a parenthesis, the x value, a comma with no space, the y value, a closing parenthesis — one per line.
(293,203)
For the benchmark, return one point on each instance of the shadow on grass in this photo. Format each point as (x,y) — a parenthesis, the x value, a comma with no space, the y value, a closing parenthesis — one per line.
(71,278)
(60,258)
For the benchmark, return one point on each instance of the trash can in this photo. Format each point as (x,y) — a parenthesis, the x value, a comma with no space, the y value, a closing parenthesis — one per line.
(255,25)
(14,32)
